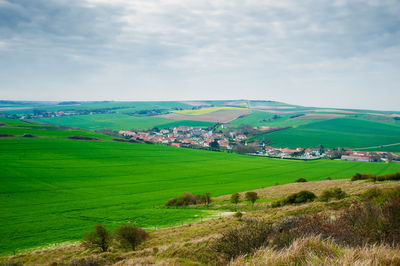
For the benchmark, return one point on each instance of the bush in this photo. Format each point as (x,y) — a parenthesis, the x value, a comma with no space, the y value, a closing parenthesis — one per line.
(374,178)
(100,238)
(130,236)
(276,204)
(235,198)
(243,239)
(334,193)
(238,215)
(300,197)
(301,180)
(189,199)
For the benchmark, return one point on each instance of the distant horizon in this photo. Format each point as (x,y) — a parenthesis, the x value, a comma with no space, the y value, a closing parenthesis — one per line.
(200,100)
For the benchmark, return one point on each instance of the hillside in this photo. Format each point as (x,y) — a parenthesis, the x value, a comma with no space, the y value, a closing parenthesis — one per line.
(192,243)
(53,188)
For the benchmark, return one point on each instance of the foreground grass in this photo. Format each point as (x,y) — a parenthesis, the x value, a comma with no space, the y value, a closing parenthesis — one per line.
(189,243)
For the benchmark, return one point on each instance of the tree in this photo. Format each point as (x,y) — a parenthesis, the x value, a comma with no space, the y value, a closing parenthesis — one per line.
(389,157)
(99,238)
(251,196)
(214,145)
(130,236)
(235,198)
(207,198)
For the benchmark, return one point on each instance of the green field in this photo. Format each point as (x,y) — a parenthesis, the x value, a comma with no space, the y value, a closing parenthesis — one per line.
(111,121)
(54,189)
(339,132)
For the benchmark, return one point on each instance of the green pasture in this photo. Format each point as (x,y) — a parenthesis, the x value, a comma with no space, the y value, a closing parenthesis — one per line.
(115,121)
(19,128)
(53,189)
(339,132)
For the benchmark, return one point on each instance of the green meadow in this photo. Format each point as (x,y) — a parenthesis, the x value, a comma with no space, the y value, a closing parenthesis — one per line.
(339,132)
(53,189)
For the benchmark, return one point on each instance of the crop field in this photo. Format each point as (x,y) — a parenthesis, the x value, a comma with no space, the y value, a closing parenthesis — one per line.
(339,132)
(206,110)
(220,116)
(54,189)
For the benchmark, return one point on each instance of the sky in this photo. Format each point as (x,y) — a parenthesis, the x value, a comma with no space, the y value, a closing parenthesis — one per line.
(327,53)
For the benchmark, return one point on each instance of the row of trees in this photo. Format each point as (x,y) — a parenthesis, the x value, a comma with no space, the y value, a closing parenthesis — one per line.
(249,196)
(126,236)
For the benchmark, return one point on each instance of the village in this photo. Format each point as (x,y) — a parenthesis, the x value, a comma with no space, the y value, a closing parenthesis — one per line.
(225,138)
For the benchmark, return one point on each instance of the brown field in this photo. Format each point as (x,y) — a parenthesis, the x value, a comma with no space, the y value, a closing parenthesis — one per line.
(221,116)
(317,116)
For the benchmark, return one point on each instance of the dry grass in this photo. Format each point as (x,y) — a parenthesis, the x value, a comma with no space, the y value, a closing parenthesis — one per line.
(277,192)
(314,251)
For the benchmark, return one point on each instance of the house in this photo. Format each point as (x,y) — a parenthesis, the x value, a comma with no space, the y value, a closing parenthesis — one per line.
(175,144)
(358,158)
(241,137)
(164,131)
(225,126)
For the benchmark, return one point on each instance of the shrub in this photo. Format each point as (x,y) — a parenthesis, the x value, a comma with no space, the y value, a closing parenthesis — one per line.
(301,180)
(300,197)
(130,236)
(238,215)
(235,198)
(334,193)
(243,239)
(100,238)
(276,204)
(374,178)
(189,199)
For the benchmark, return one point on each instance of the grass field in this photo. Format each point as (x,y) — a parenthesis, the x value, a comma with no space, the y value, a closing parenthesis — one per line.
(339,132)
(206,110)
(54,189)
(19,128)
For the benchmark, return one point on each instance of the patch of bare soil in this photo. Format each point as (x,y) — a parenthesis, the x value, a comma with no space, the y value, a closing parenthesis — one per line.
(221,116)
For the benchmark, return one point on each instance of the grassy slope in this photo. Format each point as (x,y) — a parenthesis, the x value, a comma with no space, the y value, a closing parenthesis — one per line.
(111,121)
(340,132)
(19,128)
(52,190)
(259,118)
(183,245)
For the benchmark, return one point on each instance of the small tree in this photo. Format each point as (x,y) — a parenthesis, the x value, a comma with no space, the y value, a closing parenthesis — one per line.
(99,238)
(235,198)
(207,198)
(130,236)
(251,196)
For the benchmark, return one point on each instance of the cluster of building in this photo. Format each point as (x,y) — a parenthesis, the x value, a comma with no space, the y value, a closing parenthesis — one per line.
(187,136)
(194,137)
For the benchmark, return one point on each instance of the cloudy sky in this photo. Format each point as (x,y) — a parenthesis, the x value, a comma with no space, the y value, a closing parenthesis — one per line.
(332,53)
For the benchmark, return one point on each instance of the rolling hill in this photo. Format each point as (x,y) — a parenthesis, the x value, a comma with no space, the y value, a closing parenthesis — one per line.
(53,188)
